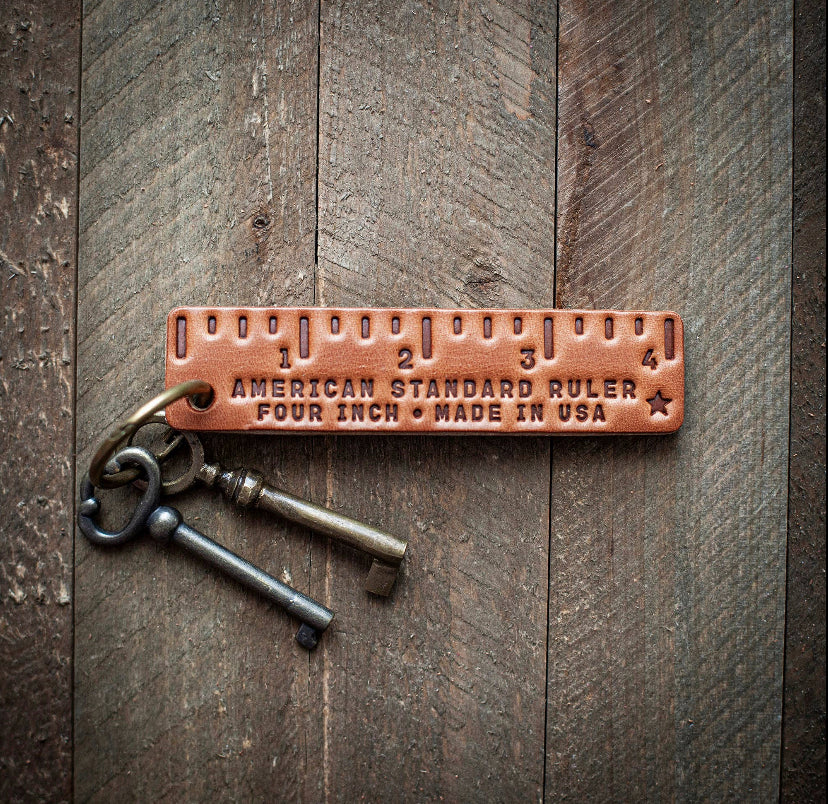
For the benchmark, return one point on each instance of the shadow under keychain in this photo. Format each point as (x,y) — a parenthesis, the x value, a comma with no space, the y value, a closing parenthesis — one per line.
(326,370)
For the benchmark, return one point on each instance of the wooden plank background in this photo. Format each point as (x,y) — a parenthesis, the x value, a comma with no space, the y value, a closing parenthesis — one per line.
(39,72)
(666,630)
(803,733)
(576,619)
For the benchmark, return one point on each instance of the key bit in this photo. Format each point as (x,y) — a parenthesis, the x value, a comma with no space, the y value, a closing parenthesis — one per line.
(247,489)
(166,525)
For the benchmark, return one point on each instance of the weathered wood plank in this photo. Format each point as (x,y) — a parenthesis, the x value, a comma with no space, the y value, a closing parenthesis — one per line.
(667,563)
(436,187)
(197,185)
(39,63)
(803,729)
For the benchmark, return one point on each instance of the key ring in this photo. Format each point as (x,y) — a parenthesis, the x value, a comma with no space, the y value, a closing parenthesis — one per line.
(127,427)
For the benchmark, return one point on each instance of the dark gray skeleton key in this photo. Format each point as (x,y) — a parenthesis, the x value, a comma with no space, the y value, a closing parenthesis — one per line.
(166,525)
(247,489)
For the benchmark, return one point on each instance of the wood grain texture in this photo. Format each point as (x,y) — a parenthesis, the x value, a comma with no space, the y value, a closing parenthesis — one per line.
(803,730)
(436,187)
(197,185)
(642,655)
(38,195)
(667,563)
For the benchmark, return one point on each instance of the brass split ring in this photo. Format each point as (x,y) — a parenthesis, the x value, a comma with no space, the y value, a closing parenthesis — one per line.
(97,468)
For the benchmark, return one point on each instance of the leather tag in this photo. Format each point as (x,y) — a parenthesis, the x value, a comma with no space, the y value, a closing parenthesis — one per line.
(328,370)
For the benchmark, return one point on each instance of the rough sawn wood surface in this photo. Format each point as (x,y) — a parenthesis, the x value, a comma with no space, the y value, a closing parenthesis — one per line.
(576,619)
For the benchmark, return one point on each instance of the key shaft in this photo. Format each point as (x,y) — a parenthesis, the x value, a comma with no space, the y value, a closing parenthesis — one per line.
(166,524)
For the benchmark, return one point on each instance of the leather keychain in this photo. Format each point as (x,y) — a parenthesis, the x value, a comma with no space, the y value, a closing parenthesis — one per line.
(372,370)
(428,370)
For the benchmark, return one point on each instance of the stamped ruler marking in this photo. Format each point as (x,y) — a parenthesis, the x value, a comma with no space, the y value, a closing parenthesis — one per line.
(441,371)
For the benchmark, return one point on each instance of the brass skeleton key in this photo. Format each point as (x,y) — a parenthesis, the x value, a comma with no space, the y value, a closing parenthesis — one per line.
(247,489)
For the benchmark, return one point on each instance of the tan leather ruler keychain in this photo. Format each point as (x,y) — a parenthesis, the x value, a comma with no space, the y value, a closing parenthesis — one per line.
(428,370)
(374,371)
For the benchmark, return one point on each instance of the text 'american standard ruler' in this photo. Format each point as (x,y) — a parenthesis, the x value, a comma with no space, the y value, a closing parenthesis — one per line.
(428,371)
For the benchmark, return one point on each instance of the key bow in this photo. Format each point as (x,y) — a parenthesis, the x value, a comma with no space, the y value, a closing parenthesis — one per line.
(90,505)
